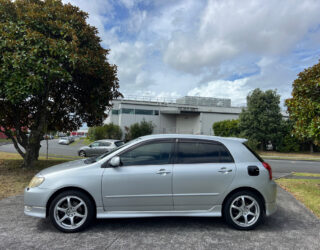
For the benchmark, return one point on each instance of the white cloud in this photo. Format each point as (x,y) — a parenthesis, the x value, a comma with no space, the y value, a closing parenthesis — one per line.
(234,28)
(191,47)
(236,90)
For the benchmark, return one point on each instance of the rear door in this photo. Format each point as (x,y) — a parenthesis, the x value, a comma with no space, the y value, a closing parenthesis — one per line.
(202,172)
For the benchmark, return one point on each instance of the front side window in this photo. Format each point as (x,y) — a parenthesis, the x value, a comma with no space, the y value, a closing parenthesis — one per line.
(202,152)
(95,144)
(156,153)
(105,144)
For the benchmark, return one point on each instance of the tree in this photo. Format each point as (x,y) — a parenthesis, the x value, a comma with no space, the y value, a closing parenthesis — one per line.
(139,129)
(227,128)
(107,131)
(262,118)
(304,106)
(54,74)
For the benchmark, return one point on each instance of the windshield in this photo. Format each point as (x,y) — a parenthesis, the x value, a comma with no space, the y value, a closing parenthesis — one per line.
(98,158)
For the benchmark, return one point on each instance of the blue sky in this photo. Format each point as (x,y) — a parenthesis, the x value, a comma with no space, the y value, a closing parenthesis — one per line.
(207,48)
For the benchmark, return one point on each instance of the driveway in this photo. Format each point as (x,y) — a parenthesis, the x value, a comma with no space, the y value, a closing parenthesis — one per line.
(291,227)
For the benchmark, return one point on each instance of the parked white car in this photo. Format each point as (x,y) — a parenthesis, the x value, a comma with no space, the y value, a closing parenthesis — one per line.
(64,141)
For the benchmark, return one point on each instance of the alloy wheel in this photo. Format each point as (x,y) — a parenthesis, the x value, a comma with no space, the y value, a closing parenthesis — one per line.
(244,211)
(70,212)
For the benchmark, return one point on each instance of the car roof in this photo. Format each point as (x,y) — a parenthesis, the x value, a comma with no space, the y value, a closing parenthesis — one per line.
(108,140)
(189,136)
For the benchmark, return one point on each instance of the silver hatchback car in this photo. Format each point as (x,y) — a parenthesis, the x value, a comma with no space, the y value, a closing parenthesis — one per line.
(157,175)
(99,147)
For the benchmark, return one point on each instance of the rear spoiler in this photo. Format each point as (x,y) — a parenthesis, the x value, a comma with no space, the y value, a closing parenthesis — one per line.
(242,140)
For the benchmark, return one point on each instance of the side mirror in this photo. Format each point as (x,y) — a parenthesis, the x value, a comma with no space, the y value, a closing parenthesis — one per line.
(90,146)
(115,161)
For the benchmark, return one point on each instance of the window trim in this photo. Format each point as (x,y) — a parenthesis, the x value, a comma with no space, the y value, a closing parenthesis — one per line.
(179,140)
(172,155)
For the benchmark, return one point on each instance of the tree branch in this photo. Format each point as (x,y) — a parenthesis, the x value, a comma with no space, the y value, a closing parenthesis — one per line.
(8,133)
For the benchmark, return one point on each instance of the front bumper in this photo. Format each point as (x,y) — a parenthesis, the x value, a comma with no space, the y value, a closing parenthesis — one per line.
(35,201)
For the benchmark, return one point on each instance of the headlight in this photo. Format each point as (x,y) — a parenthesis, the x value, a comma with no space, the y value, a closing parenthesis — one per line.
(36,181)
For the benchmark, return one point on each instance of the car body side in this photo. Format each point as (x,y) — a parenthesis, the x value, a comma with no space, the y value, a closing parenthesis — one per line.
(88,178)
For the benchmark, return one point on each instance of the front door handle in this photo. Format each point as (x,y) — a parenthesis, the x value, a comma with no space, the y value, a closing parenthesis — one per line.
(162,171)
(225,170)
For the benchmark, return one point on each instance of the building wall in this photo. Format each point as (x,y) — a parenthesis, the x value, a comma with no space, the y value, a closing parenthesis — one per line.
(207,120)
(171,118)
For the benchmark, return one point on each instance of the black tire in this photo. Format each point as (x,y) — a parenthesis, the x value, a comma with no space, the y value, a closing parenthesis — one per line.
(61,201)
(82,152)
(254,214)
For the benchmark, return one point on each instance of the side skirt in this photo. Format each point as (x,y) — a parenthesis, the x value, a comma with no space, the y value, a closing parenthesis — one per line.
(213,212)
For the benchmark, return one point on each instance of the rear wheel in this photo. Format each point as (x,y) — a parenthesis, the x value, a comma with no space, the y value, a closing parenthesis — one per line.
(243,210)
(71,211)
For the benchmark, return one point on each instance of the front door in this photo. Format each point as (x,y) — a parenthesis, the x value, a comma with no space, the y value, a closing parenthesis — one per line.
(202,172)
(143,182)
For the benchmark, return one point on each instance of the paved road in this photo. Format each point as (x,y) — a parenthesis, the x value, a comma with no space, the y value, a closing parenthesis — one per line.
(54,148)
(279,167)
(291,227)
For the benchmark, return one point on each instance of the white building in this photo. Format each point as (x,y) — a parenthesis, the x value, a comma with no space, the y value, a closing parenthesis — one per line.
(187,115)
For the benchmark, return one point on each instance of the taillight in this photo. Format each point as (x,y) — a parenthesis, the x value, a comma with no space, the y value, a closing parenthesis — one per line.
(268,167)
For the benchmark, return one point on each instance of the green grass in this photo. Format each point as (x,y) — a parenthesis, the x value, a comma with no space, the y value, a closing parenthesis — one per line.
(5,140)
(13,179)
(85,141)
(305,190)
(306,174)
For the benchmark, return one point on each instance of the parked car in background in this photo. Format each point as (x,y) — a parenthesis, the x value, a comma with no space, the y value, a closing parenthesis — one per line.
(99,147)
(157,175)
(64,140)
(71,138)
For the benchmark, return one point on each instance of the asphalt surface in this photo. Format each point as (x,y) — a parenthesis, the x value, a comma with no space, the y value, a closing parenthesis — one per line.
(292,227)
(279,167)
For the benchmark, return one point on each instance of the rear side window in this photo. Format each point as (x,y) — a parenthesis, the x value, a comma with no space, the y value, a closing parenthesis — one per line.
(202,152)
(253,152)
(119,143)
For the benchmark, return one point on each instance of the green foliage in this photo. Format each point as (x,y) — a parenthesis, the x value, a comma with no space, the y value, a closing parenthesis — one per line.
(288,142)
(262,118)
(54,73)
(107,131)
(139,129)
(227,128)
(253,144)
(304,106)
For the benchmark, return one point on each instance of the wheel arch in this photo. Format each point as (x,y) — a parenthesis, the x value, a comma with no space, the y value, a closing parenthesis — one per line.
(255,191)
(71,188)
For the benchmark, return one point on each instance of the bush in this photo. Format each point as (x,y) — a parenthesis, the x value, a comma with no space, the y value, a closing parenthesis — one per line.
(253,144)
(289,144)
(139,129)
(227,128)
(107,131)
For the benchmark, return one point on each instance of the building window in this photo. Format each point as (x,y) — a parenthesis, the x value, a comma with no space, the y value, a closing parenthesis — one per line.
(156,112)
(143,112)
(115,111)
(127,111)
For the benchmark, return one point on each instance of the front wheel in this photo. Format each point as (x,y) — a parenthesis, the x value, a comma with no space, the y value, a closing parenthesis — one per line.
(82,153)
(243,210)
(71,211)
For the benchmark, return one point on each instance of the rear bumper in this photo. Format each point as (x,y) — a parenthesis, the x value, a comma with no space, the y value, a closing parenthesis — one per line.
(271,208)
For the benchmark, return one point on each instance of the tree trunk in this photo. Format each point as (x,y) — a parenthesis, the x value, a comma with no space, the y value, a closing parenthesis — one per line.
(311,147)
(32,149)
(261,146)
